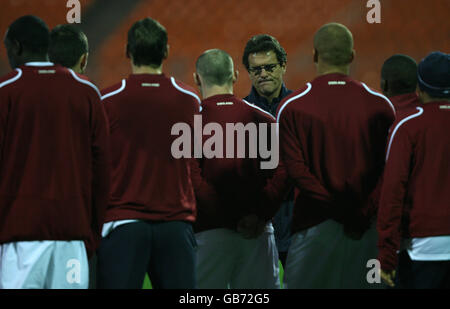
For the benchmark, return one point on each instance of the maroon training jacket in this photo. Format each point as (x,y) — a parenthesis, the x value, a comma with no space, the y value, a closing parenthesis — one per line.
(239,182)
(54,172)
(148,183)
(332,139)
(415,198)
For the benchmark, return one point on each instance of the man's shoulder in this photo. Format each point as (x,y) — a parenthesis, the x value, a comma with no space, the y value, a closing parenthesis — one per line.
(298,96)
(113,90)
(184,88)
(356,92)
(10,78)
(375,96)
(257,111)
(81,80)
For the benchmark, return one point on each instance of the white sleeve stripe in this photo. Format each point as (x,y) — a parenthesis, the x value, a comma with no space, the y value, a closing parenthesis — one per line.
(379,95)
(12,80)
(110,94)
(292,99)
(420,109)
(174,83)
(259,108)
(85,82)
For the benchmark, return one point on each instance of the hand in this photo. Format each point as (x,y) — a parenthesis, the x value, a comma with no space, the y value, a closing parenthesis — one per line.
(388,277)
(250,226)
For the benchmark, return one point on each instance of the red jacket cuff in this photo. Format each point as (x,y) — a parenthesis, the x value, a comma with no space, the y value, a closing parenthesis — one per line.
(388,259)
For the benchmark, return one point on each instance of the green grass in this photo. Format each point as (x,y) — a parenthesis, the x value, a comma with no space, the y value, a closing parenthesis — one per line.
(148,285)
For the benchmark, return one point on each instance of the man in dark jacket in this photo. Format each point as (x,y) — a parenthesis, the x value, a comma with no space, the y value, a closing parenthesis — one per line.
(265,60)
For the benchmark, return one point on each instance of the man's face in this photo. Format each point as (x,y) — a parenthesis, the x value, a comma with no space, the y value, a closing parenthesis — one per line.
(266,73)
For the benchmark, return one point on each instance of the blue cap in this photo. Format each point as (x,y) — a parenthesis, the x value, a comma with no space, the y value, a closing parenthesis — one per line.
(434,75)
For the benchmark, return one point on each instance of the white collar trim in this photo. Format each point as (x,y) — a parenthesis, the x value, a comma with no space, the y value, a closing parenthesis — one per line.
(39,64)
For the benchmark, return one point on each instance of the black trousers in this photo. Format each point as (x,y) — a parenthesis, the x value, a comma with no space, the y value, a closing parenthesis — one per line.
(422,274)
(164,250)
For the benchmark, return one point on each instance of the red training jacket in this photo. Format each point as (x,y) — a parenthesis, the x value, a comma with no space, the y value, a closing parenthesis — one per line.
(416,184)
(239,182)
(54,173)
(148,183)
(332,139)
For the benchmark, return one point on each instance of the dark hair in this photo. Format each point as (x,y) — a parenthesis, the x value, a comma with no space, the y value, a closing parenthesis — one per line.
(400,73)
(67,44)
(147,42)
(32,33)
(216,67)
(264,43)
(433,75)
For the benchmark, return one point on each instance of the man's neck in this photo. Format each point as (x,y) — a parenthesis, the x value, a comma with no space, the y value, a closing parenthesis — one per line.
(324,69)
(146,69)
(208,92)
(431,100)
(77,69)
(397,94)
(34,58)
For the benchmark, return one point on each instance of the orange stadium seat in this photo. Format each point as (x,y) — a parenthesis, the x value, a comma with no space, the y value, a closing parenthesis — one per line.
(414,27)
(415,30)
(195,25)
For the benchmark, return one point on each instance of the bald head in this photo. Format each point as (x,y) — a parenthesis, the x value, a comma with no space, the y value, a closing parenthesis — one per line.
(215,67)
(333,44)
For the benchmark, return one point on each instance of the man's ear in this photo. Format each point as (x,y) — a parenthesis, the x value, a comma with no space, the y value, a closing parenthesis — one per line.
(384,86)
(197,80)
(423,96)
(352,57)
(235,76)
(127,51)
(283,67)
(166,53)
(316,55)
(84,62)
(16,48)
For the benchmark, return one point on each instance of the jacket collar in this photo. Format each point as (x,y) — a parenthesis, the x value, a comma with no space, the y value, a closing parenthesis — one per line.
(262,102)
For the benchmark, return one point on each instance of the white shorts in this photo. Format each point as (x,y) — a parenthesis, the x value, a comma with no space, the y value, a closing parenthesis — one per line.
(324,257)
(44,265)
(227,260)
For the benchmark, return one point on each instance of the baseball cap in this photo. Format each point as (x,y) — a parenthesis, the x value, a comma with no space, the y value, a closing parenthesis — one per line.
(434,74)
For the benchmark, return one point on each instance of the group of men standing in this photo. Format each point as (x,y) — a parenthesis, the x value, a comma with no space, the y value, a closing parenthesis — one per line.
(90,175)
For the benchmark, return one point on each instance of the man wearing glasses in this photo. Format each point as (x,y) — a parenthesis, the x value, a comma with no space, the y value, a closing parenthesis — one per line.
(265,60)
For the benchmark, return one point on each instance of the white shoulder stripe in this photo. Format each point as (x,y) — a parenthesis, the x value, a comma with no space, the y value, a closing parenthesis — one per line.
(12,80)
(292,99)
(420,112)
(174,83)
(379,95)
(85,82)
(260,109)
(110,94)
